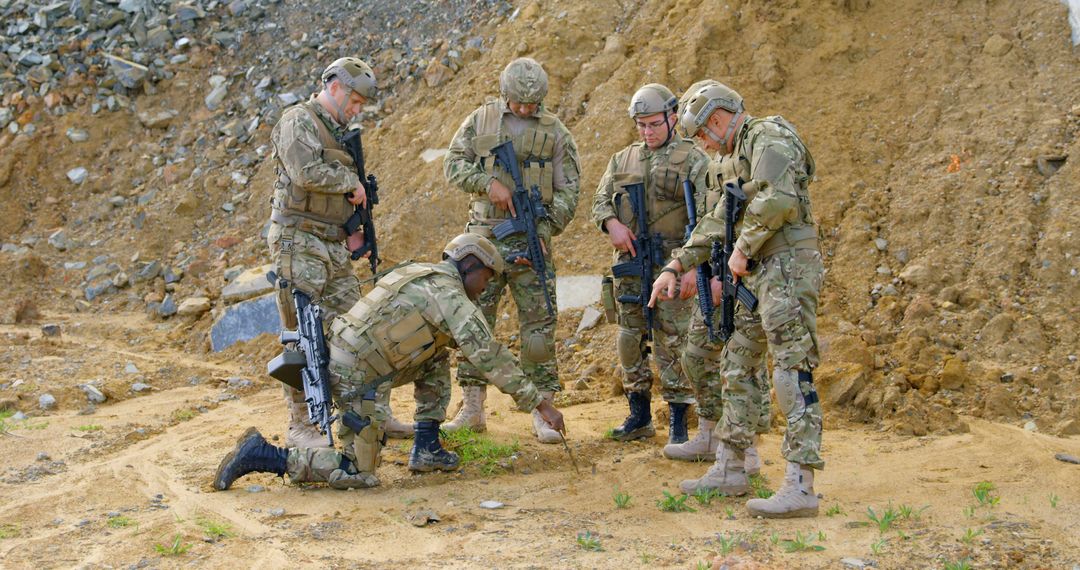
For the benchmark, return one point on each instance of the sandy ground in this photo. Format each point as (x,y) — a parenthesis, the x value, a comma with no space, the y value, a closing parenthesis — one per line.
(150,458)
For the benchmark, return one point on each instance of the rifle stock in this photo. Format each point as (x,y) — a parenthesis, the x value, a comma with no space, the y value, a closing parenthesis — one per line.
(363,216)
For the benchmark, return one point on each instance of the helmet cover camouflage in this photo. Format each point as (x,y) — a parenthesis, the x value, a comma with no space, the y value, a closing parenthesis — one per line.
(353,73)
(652,99)
(474,244)
(700,105)
(523,81)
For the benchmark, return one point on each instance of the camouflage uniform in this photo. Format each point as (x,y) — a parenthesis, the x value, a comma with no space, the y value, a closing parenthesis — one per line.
(777,231)
(306,238)
(548,159)
(662,170)
(400,333)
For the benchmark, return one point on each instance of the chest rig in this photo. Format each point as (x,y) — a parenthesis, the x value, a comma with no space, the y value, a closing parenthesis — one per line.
(799,230)
(291,200)
(385,333)
(535,149)
(662,172)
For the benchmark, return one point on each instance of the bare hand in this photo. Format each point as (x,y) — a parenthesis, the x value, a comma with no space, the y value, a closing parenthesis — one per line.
(551,415)
(737,264)
(358,197)
(501,196)
(621,236)
(663,288)
(717,290)
(355,242)
(522,260)
(688,284)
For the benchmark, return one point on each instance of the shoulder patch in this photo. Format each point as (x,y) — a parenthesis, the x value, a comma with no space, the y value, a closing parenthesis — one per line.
(771,166)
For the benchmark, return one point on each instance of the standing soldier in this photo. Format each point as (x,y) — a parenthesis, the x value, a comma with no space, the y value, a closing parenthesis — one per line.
(315,192)
(778,232)
(548,159)
(400,333)
(661,161)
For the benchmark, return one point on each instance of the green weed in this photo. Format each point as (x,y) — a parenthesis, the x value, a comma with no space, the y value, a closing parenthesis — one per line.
(727,543)
(184,414)
(622,499)
(774,538)
(8,530)
(175,549)
(588,541)
(646,558)
(801,543)
(878,546)
(962,564)
(730,512)
(884,520)
(984,494)
(834,510)
(477,449)
(673,504)
(760,486)
(909,512)
(821,535)
(119,521)
(609,433)
(5,414)
(89,428)
(705,496)
(969,511)
(214,529)
(970,535)
(1054,500)
(701,565)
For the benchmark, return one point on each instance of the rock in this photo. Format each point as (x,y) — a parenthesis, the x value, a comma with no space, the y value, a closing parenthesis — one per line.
(193,307)
(437,74)
(77,135)
(141,387)
(881,244)
(997,46)
(216,96)
(50,329)
(58,239)
(77,175)
(130,368)
(187,203)
(919,309)
(278,512)
(128,73)
(93,394)
(856,563)
(248,284)
(228,207)
(157,120)
(997,330)
(953,374)
(422,517)
(188,12)
(237,382)
(1069,427)
(1030,426)
(255,489)
(46,402)
(999,404)
(6,116)
(287,99)
(491,505)
(245,321)
(158,37)
(841,383)
(581,384)
(589,319)
(167,307)
(917,275)
(1067,458)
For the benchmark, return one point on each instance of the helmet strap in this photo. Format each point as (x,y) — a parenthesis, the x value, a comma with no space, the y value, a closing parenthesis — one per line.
(723,140)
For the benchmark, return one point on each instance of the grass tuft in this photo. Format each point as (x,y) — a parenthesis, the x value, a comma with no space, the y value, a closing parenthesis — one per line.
(672,504)
(214,529)
(589,541)
(175,549)
(801,543)
(477,449)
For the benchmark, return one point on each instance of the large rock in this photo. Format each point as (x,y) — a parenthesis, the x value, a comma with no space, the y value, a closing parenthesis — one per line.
(194,306)
(245,321)
(953,374)
(157,120)
(128,73)
(250,283)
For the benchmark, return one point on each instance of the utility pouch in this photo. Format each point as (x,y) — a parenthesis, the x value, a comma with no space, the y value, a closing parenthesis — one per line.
(607,298)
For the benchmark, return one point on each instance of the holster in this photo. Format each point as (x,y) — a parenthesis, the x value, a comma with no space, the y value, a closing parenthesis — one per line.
(607,298)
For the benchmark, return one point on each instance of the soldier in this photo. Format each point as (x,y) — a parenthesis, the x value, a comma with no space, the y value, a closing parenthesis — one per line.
(400,333)
(316,191)
(662,161)
(548,159)
(778,232)
(701,357)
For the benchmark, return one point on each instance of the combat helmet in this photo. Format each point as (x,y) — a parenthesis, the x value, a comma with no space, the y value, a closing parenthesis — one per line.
(354,73)
(701,104)
(652,99)
(478,245)
(523,81)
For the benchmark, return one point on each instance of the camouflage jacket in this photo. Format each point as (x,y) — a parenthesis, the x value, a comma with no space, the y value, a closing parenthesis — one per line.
(776,167)
(297,149)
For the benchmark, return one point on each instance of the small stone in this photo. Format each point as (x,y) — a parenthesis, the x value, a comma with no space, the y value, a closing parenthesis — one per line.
(228,207)
(157,120)
(278,512)
(193,307)
(77,175)
(77,135)
(237,382)
(287,99)
(58,239)
(43,456)
(491,505)
(882,270)
(140,387)
(1067,458)
(581,384)
(19,417)
(128,73)
(216,96)
(437,75)
(168,307)
(881,244)
(255,489)
(131,368)
(1030,426)
(47,401)
(589,319)
(118,201)
(93,394)
(50,329)
(856,563)
(997,46)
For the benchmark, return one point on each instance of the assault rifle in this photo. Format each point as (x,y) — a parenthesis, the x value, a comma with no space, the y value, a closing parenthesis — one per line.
(704,270)
(363,216)
(529,208)
(649,248)
(306,368)
(734,200)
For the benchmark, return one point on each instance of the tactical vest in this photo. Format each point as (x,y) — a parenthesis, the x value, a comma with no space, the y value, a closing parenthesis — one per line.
(535,149)
(384,333)
(290,200)
(798,234)
(663,189)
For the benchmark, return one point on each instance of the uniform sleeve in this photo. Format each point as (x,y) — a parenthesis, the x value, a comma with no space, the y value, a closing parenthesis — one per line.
(464,322)
(602,208)
(300,151)
(698,248)
(776,201)
(567,180)
(461,166)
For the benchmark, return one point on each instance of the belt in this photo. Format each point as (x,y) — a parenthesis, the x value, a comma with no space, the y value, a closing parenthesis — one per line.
(323,230)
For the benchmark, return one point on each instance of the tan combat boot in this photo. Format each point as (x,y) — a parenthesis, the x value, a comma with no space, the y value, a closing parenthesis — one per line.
(753,460)
(795,499)
(543,432)
(702,447)
(300,432)
(395,429)
(726,475)
(471,412)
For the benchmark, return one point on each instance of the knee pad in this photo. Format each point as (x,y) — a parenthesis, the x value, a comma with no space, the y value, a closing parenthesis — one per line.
(537,348)
(629,345)
(368,438)
(794,392)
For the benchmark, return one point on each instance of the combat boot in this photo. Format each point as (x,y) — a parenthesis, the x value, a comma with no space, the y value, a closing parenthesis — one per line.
(639,423)
(395,429)
(471,412)
(701,448)
(543,431)
(300,432)
(252,454)
(427,453)
(795,499)
(726,475)
(677,423)
(753,460)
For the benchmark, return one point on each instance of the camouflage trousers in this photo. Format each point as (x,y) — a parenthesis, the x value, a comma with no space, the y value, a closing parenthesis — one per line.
(431,390)
(702,360)
(787,285)
(318,267)
(536,328)
(671,321)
